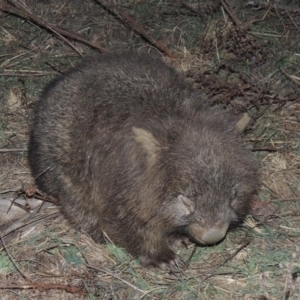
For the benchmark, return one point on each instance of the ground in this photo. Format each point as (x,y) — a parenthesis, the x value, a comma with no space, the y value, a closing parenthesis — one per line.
(244,56)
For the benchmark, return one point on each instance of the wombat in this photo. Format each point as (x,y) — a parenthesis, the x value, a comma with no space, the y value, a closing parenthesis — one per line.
(135,154)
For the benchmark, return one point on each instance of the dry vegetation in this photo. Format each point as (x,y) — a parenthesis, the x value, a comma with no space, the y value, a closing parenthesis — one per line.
(244,56)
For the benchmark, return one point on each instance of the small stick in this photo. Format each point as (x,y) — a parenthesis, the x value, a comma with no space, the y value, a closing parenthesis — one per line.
(264,149)
(291,77)
(12,259)
(266,4)
(244,245)
(43,172)
(230,13)
(54,29)
(24,73)
(186,263)
(24,221)
(8,191)
(45,286)
(117,277)
(12,150)
(134,25)
(283,199)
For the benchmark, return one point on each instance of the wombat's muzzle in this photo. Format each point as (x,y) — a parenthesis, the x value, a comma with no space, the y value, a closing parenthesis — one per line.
(210,235)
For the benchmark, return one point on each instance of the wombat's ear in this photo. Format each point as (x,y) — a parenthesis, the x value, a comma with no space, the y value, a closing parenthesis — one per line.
(185,205)
(148,142)
(243,122)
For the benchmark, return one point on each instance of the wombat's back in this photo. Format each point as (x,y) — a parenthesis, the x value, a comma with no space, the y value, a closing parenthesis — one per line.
(103,95)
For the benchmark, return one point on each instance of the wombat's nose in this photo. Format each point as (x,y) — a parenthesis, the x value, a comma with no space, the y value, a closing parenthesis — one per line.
(207,235)
(213,235)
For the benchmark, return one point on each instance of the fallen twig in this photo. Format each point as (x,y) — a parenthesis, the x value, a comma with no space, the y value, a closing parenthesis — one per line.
(45,286)
(244,245)
(258,4)
(230,13)
(12,150)
(264,149)
(24,73)
(134,25)
(12,259)
(54,29)
(293,78)
(117,277)
(27,220)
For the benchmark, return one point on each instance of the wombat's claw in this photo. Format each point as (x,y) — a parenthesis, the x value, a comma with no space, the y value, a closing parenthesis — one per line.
(170,266)
(174,265)
(180,240)
(171,262)
(186,242)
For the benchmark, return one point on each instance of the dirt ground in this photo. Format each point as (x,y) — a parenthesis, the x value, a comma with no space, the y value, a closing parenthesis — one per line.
(244,56)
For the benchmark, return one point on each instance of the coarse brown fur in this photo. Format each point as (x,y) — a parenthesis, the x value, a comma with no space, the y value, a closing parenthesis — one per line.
(130,149)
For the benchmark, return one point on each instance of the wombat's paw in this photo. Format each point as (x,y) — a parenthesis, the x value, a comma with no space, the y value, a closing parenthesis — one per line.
(167,262)
(180,240)
(172,265)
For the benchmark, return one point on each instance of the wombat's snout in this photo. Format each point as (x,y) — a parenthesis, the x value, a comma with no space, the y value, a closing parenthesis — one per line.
(210,235)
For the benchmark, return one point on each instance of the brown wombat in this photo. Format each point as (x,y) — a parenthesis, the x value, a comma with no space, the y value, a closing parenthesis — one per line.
(133,152)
